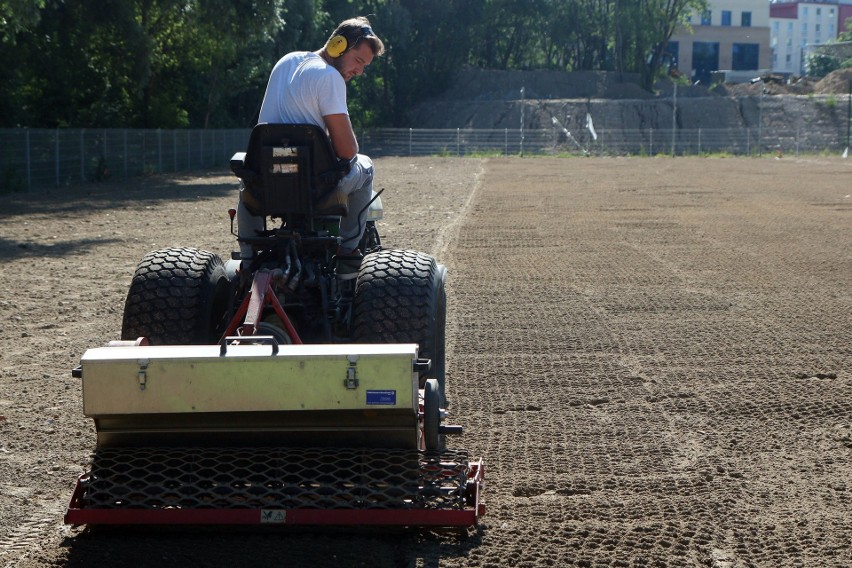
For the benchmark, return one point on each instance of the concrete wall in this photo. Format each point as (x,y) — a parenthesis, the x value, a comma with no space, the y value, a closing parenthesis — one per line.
(817,121)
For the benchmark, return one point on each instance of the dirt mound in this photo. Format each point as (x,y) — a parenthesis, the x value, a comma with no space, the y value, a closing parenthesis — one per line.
(798,86)
(835,83)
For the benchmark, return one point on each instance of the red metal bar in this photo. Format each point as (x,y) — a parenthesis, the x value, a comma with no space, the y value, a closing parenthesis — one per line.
(475,480)
(259,289)
(285,319)
(77,515)
(238,317)
(250,311)
(340,517)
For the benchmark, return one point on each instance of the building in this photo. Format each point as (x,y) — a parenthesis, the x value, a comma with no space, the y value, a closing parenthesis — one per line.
(731,36)
(796,24)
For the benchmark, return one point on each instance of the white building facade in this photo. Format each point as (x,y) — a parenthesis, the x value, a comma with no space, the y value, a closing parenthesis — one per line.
(795,25)
(731,36)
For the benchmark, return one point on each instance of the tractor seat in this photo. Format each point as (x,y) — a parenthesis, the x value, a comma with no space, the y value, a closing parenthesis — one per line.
(291,170)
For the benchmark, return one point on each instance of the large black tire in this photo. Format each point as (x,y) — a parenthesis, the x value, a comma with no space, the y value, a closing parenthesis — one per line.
(179,296)
(400,298)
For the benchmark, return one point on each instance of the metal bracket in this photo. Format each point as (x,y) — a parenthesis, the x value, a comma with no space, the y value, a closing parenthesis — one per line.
(422,365)
(142,375)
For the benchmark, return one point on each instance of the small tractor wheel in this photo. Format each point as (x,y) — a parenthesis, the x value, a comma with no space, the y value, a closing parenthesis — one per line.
(400,298)
(432,416)
(178,296)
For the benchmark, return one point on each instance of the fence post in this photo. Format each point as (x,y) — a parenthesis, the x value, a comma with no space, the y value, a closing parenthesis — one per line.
(410,131)
(506,141)
(699,141)
(159,150)
(82,156)
(760,120)
(56,155)
(748,141)
(674,118)
(651,143)
(797,140)
(848,115)
(126,171)
(458,141)
(29,165)
(174,148)
(522,122)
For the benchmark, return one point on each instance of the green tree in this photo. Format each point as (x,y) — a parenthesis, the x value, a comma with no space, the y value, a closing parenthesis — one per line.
(426,41)
(508,34)
(142,63)
(579,34)
(17,16)
(205,63)
(832,55)
(643,30)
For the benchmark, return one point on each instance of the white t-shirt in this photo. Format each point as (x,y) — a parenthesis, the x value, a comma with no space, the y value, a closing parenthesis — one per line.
(302,89)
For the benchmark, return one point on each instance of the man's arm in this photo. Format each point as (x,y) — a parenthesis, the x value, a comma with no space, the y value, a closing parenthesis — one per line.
(342,136)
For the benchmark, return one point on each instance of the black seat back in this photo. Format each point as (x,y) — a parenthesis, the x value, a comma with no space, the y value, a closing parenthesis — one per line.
(286,169)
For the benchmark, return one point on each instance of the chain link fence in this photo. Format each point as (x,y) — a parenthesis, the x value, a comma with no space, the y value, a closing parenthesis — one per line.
(604,142)
(42,158)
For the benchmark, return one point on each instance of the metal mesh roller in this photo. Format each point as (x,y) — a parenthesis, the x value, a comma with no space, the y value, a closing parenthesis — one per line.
(280,478)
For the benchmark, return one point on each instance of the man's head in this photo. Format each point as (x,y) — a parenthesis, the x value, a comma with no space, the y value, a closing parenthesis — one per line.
(352,47)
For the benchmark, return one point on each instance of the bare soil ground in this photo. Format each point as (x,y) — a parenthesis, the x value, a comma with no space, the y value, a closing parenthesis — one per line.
(652,355)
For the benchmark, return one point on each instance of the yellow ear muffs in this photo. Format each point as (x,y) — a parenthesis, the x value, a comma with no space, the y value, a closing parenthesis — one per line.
(336,46)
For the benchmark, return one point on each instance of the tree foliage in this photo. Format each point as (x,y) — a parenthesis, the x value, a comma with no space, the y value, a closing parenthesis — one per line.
(18,16)
(640,48)
(833,55)
(204,63)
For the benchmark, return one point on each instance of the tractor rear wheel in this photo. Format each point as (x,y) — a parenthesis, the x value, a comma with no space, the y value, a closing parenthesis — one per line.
(178,296)
(400,298)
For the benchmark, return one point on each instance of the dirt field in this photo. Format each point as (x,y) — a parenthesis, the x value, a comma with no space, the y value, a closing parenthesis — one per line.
(652,355)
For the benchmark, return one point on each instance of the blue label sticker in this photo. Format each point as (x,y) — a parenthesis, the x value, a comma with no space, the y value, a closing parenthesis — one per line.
(386,397)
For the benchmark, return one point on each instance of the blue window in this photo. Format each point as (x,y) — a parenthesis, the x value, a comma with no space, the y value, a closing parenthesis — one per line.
(726,17)
(670,56)
(706,17)
(746,20)
(705,60)
(745,56)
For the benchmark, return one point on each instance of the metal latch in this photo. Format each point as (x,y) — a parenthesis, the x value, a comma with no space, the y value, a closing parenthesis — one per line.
(142,375)
(351,380)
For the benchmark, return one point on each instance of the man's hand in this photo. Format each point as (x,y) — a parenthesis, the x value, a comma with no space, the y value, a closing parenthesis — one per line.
(342,136)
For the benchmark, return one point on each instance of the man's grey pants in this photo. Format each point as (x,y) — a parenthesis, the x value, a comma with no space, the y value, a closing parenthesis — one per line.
(358,185)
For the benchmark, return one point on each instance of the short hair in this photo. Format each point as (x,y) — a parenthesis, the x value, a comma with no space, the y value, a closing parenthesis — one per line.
(355,30)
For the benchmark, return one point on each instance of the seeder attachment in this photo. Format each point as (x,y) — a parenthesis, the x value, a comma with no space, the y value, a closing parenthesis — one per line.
(259,433)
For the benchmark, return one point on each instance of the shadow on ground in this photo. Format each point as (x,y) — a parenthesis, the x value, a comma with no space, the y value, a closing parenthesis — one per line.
(117,193)
(155,547)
